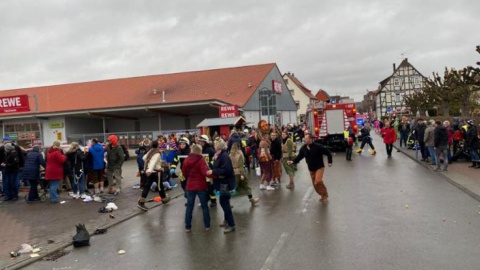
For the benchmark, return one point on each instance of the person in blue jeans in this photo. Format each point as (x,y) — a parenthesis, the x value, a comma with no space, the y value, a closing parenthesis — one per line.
(429,138)
(195,169)
(54,170)
(12,166)
(224,182)
(76,158)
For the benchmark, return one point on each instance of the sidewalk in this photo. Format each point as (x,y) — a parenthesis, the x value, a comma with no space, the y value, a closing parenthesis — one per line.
(459,174)
(52,226)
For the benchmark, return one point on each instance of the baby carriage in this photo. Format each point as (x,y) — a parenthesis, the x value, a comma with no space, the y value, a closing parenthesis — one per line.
(44,187)
(461,153)
(412,143)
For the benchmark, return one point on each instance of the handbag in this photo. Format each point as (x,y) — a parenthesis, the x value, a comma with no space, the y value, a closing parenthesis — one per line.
(82,238)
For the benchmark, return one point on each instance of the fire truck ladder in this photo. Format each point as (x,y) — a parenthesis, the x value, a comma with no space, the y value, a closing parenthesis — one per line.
(323,126)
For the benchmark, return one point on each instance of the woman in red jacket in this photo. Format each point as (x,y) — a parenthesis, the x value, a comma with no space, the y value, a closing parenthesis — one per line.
(389,137)
(54,170)
(195,170)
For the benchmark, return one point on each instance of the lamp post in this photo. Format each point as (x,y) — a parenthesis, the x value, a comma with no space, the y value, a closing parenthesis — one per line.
(265,92)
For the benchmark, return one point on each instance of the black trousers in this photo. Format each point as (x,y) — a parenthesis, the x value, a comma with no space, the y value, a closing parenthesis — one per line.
(389,147)
(150,180)
(367,140)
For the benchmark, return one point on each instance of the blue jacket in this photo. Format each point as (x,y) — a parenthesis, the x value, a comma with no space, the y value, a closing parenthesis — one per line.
(223,171)
(32,165)
(97,152)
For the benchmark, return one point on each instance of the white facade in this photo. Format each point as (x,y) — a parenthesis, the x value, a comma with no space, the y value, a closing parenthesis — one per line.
(301,99)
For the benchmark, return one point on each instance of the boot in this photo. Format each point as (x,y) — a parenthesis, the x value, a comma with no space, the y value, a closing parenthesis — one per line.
(254,201)
(358,151)
(141,204)
(474,164)
(373,152)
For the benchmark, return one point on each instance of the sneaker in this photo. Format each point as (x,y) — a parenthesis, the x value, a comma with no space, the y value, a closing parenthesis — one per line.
(71,194)
(83,196)
(263,187)
(270,188)
(224,224)
(228,229)
(254,201)
(76,196)
(290,186)
(324,200)
(142,206)
(373,152)
(358,151)
(97,199)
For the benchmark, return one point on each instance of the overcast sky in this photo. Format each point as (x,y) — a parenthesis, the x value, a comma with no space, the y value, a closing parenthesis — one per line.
(342,47)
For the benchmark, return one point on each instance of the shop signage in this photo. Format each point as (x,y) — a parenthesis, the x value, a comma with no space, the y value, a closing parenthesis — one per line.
(14,104)
(56,125)
(277,87)
(227,111)
(13,135)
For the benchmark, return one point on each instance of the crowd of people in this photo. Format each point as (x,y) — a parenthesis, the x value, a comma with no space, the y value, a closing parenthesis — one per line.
(435,140)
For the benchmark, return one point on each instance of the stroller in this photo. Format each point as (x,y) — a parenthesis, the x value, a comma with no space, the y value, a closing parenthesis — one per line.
(412,143)
(44,187)
(461,153)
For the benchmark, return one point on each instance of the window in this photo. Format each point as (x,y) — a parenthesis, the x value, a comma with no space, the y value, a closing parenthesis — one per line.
(397,97)
(417,80)
(268,103)
(298,104)
(396,82)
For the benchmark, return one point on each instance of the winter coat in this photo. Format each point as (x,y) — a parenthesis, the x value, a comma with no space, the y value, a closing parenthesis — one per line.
(12,161)
(276,149)
(429,136)
(223,171)
(471,139)
(96,152)
(440,136)
(389,135)
(420,132)
(195,171)
(233,139)
(115,157)
(404,127)
(140,153)
(313,156)
(33,161)
(55,161)
(76,159)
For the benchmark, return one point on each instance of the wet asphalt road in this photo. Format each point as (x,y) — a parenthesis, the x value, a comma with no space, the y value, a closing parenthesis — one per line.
(383,214)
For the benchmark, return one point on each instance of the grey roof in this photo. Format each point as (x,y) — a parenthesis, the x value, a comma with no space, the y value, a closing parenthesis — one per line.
(208,122)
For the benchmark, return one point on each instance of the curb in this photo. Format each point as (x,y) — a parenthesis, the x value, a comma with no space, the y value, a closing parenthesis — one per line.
(443,175)
(65,244)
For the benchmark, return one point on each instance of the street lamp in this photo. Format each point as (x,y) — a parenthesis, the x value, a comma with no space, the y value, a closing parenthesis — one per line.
(269,95)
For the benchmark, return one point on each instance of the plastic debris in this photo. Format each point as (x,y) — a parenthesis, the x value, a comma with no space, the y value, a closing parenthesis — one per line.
(26,248)
(406,206)
(111,206)
(157,199)
(121,252)
(34,255)
(97,199)
(112,216)
(14,254)
(62,202)
(36,250)
(88,199)
(100,231)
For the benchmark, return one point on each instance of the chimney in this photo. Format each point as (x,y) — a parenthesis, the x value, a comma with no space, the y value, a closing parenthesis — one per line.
(293,74)
(394,68)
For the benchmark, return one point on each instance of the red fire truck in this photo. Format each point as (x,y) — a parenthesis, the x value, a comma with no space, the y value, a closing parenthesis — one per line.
(328,121)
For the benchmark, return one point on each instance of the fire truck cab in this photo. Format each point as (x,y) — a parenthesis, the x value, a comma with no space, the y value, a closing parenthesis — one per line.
(328,121)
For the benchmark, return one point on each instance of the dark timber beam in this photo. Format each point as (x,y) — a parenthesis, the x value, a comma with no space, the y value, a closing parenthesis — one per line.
(105,115)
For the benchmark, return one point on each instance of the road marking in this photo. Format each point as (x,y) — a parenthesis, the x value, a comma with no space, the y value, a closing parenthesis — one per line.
(305,199)
(275,251)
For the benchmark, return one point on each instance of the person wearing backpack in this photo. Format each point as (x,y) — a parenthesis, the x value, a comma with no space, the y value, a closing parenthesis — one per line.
(12,166)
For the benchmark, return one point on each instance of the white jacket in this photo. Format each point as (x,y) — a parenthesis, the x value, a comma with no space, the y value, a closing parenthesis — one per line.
(155,161)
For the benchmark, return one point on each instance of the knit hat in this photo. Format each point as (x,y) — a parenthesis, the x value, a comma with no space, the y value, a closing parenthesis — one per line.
(470,122)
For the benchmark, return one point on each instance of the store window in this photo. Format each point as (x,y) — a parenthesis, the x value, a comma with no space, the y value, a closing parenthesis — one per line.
(25,134)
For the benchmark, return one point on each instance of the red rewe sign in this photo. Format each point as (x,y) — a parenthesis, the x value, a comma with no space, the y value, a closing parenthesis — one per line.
(14,104)
(227,111)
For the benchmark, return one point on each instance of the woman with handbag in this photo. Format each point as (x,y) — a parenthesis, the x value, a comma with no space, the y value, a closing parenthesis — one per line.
(195,169)
(153,167)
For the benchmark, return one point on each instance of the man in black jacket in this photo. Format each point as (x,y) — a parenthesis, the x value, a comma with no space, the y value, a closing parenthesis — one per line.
(440,139)
(313,154)
(420,137)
